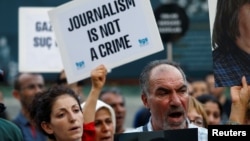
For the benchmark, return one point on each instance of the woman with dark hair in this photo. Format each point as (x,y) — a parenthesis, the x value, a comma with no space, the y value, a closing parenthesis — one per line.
(58,113)
(231,44)
(212,107)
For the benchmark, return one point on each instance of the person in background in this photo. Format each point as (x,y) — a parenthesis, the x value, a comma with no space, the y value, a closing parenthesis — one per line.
(213,109)
(8,130)
(26,86)
(199,88)
(3,114)
(58,113)
(114,98)
(104,121)
(220,94)
(196,113)
(77,86)
(240,96)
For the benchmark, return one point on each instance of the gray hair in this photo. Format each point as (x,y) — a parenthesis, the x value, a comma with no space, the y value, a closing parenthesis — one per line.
(144,76)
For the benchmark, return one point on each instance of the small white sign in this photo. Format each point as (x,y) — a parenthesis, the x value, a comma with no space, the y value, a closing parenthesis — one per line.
(38,51)
(109,32)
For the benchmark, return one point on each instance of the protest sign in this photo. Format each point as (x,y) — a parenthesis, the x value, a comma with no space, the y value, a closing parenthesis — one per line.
(172,21)
(108,32)
(38,51)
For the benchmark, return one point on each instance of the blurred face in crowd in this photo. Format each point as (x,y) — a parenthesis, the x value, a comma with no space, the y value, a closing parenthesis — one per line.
(199,88)
(29,84)
(196,112)
(167,98)
(103,125)
(216,91)
(117,103)
(66,119)
(213,113)
(195,117)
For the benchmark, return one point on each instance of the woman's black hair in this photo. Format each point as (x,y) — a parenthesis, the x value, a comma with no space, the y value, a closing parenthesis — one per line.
(210,98)
(41,107)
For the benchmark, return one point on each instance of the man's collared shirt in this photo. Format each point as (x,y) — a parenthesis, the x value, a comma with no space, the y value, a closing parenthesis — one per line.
(29,134)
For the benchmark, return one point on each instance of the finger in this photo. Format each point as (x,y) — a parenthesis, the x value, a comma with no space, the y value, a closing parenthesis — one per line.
(244,82)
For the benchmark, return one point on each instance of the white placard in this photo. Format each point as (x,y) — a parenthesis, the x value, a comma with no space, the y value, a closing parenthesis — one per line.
(38,51)
(109,32)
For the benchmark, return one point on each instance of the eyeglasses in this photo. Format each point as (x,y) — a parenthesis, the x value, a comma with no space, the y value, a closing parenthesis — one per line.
(198,122)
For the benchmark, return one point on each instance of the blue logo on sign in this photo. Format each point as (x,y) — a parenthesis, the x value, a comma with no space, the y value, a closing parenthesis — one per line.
(80,65)
(143,41)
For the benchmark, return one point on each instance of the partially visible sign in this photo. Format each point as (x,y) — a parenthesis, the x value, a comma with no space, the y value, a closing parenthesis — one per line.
(108,32)
(38,51)
(212,10)
(170,135)
(172,22)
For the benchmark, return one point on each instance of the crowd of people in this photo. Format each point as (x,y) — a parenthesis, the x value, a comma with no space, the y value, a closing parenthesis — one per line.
(60,113)
(170,100)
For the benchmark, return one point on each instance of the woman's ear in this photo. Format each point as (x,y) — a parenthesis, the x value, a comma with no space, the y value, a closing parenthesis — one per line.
(47,127)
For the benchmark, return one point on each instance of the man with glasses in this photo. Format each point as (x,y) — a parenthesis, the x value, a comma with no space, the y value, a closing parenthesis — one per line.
(26,86)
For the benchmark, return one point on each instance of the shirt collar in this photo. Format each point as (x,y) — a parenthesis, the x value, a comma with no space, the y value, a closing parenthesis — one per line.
(23,120)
